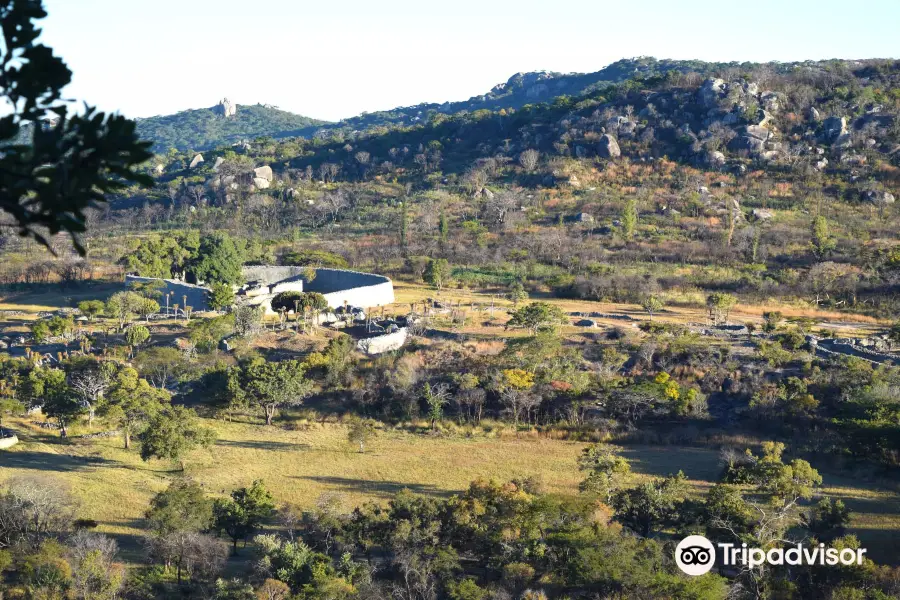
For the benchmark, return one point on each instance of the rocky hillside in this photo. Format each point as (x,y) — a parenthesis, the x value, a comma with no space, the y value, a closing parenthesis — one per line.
(223,124)
(208,128)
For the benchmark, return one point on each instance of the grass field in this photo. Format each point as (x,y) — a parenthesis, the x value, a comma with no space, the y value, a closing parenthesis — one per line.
(299,466)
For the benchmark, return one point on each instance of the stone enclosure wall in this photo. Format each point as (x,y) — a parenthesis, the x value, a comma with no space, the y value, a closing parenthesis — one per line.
(339,287)
(196,294)
(364,290)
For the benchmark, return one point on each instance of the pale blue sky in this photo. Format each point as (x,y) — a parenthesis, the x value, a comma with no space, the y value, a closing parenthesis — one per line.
(336,59)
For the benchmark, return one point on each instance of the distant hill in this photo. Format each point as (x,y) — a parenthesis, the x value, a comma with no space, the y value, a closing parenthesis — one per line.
(206,128)
(535,88)
(209,128)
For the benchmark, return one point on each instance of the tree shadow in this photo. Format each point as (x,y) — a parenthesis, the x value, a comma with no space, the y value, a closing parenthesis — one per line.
(263,445)
(697,463)
(383,489)
(46,461)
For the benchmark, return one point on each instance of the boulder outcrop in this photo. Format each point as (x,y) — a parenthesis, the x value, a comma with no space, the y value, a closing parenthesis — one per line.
(609,147)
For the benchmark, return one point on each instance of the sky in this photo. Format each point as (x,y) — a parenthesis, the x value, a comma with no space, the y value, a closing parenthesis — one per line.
(336,59)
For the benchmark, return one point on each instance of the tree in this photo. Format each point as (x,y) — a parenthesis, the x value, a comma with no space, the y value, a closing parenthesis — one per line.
(90,384)
(443,227)
(40,331)
(219,260)
(183,506)
(629,219)
(517,293)
(650,505)
(172,433)
(9,404)
(34,508)
(69,162)
(131,402)
(136,335)
(147,307)
(91,308)
(247,319)
(59,401)
(652,304)
(605,471)
(95,573)
(719,305)
(123,306)
(221,296)
(436,397)
(822,243)
(273,385)
(529,159)
(361,432)
(537,316)
(437,272)
(827,520)
(240,515)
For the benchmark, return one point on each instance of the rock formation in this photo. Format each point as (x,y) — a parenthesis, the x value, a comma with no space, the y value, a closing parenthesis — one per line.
(226,108)
(609,147)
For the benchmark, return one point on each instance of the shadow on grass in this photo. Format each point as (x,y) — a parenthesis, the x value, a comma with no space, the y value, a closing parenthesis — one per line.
(46,461)
(384,489)
(874,506)
(697,463)
(263,445)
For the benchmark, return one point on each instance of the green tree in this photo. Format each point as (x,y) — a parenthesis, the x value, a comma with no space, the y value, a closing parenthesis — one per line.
(437,272)
(220,297)
(822,243)
(137,335)
(436,397)
(605,471)
(827,520)
(131,402)
(650,505)
(361,432)
(629,219)
(719,305)
(271,386)
(183,506)
(443,227)
(241,515)
(206,334)
(537,316)
(517,293)
(219,260)
(247,319)
(9,404)
(652,304)
(123,306)
(147,307)
(57,401)
(172,433)
(787,483)
(55,165)
(91,308)
(40,331)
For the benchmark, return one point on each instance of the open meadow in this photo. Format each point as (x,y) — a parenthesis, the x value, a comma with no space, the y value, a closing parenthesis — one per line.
(301,465)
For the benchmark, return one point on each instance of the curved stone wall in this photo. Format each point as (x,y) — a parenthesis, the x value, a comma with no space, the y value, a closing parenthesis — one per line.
(353,287)
(196,294)
(8,442)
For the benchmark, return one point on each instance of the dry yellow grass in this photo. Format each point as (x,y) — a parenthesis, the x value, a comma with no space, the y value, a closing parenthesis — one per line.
(300,466)
(406,293)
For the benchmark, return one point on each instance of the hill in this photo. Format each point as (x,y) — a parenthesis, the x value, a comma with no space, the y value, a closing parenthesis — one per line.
(536,87)
(202,129)
(205,128)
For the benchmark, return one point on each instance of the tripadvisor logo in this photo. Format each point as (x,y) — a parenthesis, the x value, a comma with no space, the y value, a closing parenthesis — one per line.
(696,555)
